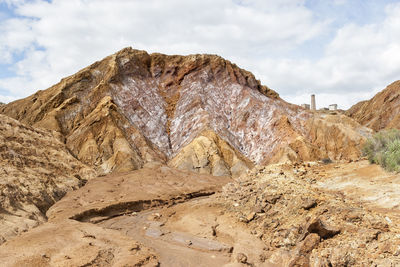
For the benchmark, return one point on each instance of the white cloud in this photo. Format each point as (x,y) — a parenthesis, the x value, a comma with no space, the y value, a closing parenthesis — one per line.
(6,99)
(263,36)
(358,62)
(16,36)
(12,2)
(339,2)
(75,33)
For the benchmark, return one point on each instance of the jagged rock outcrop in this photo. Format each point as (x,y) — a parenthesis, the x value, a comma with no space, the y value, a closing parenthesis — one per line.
(36,170)
(380,112)
(132,108)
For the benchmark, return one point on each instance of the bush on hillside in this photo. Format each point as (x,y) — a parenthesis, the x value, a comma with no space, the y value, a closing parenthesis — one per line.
(384,149)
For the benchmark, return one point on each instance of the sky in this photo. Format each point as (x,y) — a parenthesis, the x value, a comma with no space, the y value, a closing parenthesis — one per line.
(343,51)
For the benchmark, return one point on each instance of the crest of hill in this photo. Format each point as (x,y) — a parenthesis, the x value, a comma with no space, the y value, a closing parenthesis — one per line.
(380,112)
(133,108)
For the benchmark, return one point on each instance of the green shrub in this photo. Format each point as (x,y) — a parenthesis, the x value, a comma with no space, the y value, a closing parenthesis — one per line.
(384,149)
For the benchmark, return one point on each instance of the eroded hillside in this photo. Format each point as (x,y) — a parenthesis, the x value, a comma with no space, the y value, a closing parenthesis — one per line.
(380,112)
(132,108)
(36,170)
(155,114)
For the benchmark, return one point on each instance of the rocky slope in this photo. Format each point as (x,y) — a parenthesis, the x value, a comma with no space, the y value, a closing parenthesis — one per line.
(36,170)
(380,112)
(301,224)
(279,215)
(133,108)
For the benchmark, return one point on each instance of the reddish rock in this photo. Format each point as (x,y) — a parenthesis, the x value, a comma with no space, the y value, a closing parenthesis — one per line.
(380,112)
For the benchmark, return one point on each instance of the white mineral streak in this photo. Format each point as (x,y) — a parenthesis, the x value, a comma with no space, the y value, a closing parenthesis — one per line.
(145,108)
(242,116)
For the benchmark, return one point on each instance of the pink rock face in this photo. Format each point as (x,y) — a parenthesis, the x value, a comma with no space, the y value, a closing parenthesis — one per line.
(211,96)
(165,102)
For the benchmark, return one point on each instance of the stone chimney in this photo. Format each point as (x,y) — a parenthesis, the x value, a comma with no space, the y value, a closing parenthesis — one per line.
(313,107)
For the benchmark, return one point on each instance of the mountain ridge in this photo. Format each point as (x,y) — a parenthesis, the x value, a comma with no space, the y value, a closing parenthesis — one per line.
(132,108)
(381,111)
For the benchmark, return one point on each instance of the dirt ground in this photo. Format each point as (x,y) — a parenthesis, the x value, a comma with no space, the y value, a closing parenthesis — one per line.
(366,183)
(311,214)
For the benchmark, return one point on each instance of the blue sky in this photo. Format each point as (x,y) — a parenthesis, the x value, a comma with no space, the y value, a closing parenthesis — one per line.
(344,51)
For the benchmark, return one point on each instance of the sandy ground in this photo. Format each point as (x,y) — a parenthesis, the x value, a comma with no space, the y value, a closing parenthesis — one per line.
(368,184)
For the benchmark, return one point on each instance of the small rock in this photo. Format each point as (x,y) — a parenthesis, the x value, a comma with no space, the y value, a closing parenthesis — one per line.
(250,216)
(242,258)
(308,203)
(309,243)
(272,199)
(154,216)
(135,247)
(214,230)
(323,230)
(299,261)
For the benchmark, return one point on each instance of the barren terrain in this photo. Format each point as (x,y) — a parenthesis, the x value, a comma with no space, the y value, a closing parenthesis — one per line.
(282,215)
(155,160)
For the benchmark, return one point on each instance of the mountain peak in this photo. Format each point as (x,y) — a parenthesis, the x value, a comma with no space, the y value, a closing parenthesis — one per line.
(133,107)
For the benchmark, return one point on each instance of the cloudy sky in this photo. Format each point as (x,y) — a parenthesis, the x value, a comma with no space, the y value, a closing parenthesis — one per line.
(344,51)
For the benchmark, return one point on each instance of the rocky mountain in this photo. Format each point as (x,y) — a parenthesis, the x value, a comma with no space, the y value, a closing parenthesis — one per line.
(197,112)
(380,112)
(36,170)
(133,119)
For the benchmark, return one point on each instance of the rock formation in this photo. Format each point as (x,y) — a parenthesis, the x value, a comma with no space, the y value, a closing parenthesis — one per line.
(380,112)
(36,170)
(303,225)
(68,240)
(132,108)
(201,114)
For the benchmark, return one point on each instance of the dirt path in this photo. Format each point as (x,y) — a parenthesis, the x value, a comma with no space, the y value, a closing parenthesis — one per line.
(175,248)
(194,233)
